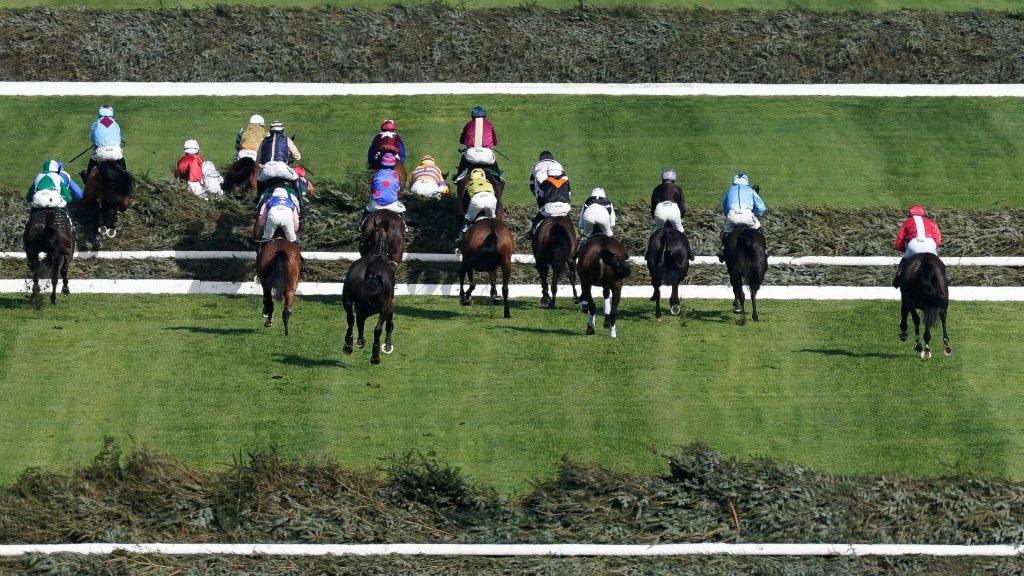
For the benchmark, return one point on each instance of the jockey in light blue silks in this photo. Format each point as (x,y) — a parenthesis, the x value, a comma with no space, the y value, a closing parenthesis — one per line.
(740,207)
(106,141)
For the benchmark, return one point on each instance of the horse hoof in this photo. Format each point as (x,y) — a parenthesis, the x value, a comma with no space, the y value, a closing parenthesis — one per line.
(465,302)
(387,348)
(737,310)
(544,301)
(903,336)
(268,323)
(947,350)
(65,290)
(495,300)
(506,315)
(614,333)
(674,310)
(375,360)
(347,349)
(607,323)
(360,343)
(111,232)
(926,354)
(753,317)
(53,299)
(918,347)
(101,231)
(590,330)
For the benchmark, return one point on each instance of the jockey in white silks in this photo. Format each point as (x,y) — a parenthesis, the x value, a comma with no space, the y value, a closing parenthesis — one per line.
(597,215)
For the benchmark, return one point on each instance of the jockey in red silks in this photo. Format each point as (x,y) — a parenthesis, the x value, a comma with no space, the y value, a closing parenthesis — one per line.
(918,234)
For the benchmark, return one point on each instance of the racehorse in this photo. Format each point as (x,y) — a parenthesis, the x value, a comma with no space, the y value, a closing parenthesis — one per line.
(277,266)
(924,288)
(554,243)
(499,189)
(486,245)
(242,174)
(602,261)
(109,188)
(370,289)
(383,231)
(747,261)
(50,230)
(668,260)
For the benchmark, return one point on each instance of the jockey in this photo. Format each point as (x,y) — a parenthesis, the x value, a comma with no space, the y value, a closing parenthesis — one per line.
(275,156)
(917,234)
(668,204)
(427,179)
(545,162)
(479,139)
(106,141)
(740,207)
(482,201)
(51,189)
(596,211)
(552,197)
(249,138)
(387,140)
(279,208)
(201,175)
(386,187)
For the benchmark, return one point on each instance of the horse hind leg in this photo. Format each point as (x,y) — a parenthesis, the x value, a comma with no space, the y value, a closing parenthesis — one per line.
(494,286)
(64,274)
(929,320)
(33,265)
(904,313)
(608,320)
(360,325)
(946,348)
(674,307)
(545,299)
(614,315)
(268,306)
(350,320)
(587,305)
(389,327)
(506,272)
(289,301)
(917,330)
(377,330)
(753,303)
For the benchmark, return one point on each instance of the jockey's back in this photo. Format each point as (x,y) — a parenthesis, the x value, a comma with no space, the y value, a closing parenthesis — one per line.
(251,136)
(274,148)
(743,197)
(478,183)
(385,187)
(105,132)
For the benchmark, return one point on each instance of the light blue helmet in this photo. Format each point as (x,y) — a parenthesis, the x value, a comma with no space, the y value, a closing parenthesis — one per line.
(52,167)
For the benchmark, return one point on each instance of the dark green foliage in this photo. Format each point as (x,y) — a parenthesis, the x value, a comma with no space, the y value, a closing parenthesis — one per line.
(705,497)
(443,43)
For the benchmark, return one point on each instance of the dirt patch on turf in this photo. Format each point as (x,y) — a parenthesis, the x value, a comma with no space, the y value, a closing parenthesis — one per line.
(522,44)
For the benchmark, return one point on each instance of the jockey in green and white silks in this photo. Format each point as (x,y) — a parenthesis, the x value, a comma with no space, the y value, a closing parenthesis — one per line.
(52,188)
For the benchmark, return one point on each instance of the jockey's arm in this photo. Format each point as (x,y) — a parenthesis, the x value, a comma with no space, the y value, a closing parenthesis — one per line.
(938,234)
(76,190)
(294,150)
(759,205)
(611,214)
(902,237)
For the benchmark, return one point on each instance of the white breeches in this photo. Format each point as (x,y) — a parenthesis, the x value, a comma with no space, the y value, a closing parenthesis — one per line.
(245,154)
(104,153)
(280,217)
(482,205)
(274,169)
(668,212)
(595,218)
(741,218)
(428,187)
(48,199)
(920,245)
(395,206)
(555,209)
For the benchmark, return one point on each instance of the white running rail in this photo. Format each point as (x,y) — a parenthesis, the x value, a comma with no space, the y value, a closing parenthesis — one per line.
(1009,261)
(486,88)
(694,549)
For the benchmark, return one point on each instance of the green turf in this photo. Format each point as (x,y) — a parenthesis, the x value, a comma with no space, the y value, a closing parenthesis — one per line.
(824,384)
(957,152)
(820,5)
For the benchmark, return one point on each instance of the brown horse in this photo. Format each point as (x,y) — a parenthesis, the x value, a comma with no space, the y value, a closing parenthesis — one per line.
(668,261)
(370,289)
(108,188)
(278,266)
(49,230)
(554,243)
(242,174)
(602,261)
(746,259)
(497,183)
(383,232)
(487,245)
(924,288)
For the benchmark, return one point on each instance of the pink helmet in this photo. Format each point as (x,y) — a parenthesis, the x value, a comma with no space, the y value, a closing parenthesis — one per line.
(917,210)
(388,160)
(388,124)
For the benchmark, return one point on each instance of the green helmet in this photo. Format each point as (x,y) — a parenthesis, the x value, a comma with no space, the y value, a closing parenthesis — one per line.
(51,166)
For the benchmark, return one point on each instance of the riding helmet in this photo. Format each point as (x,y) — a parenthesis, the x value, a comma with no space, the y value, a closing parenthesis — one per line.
(106,110)
(478,112)
(388,125)
(256,119)
(191,147)
(546,155)
(277,126)
(669,175)
(597,193)
(51,166)
(388,160)
(741,180)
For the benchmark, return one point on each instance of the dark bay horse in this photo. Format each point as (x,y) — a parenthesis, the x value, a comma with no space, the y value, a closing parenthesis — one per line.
(486,246)
(278,266)
(370,289)
(746,258)
(924,288)
(499,190)
(242,174)
(108,188)
(554,243)
(602,261)
(668,260)
(383,232)
(49,230)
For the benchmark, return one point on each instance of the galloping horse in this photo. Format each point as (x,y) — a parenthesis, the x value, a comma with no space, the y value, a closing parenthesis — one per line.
(383,232)
(747,261)
(486,245)
(242,174)
(277,266)
(370,289)
(50,230)
(602,261)
(109,188)
(668,260)
(924,288)
(553,245)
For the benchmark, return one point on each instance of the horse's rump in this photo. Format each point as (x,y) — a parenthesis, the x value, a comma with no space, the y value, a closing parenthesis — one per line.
(747,257)
(49,230)
(668,251)
(275,266)
(924,280)
(618,263)
(553,241)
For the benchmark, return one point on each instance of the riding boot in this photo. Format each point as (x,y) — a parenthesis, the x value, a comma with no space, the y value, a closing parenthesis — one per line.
(462,233)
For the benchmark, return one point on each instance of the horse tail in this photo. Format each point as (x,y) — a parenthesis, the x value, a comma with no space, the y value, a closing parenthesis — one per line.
(380,239)
(373,284)
(931,278)
(279,275)
(53,248)
(618,263)
(561,249)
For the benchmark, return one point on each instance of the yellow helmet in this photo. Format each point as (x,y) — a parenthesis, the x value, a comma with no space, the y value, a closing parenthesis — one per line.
(478,182)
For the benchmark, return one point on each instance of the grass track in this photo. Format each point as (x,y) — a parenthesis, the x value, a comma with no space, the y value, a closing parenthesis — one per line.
(824,384)
(956,152)
(819,5)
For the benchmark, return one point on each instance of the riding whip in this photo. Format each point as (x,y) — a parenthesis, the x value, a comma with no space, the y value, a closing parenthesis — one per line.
(80,154)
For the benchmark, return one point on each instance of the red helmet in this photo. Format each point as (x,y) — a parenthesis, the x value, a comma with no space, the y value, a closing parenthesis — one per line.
(917,210)
(388,124)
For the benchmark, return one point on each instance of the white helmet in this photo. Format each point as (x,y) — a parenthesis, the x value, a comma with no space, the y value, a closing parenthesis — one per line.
(669,175)
(106,110)
(741,180)
(597,193)
(256,119)
(191,146)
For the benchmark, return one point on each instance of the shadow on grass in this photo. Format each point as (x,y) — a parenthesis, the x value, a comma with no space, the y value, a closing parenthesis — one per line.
(533,330)
(304,362)
(426,313)
(217,331)
(848,354)
(15,302)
